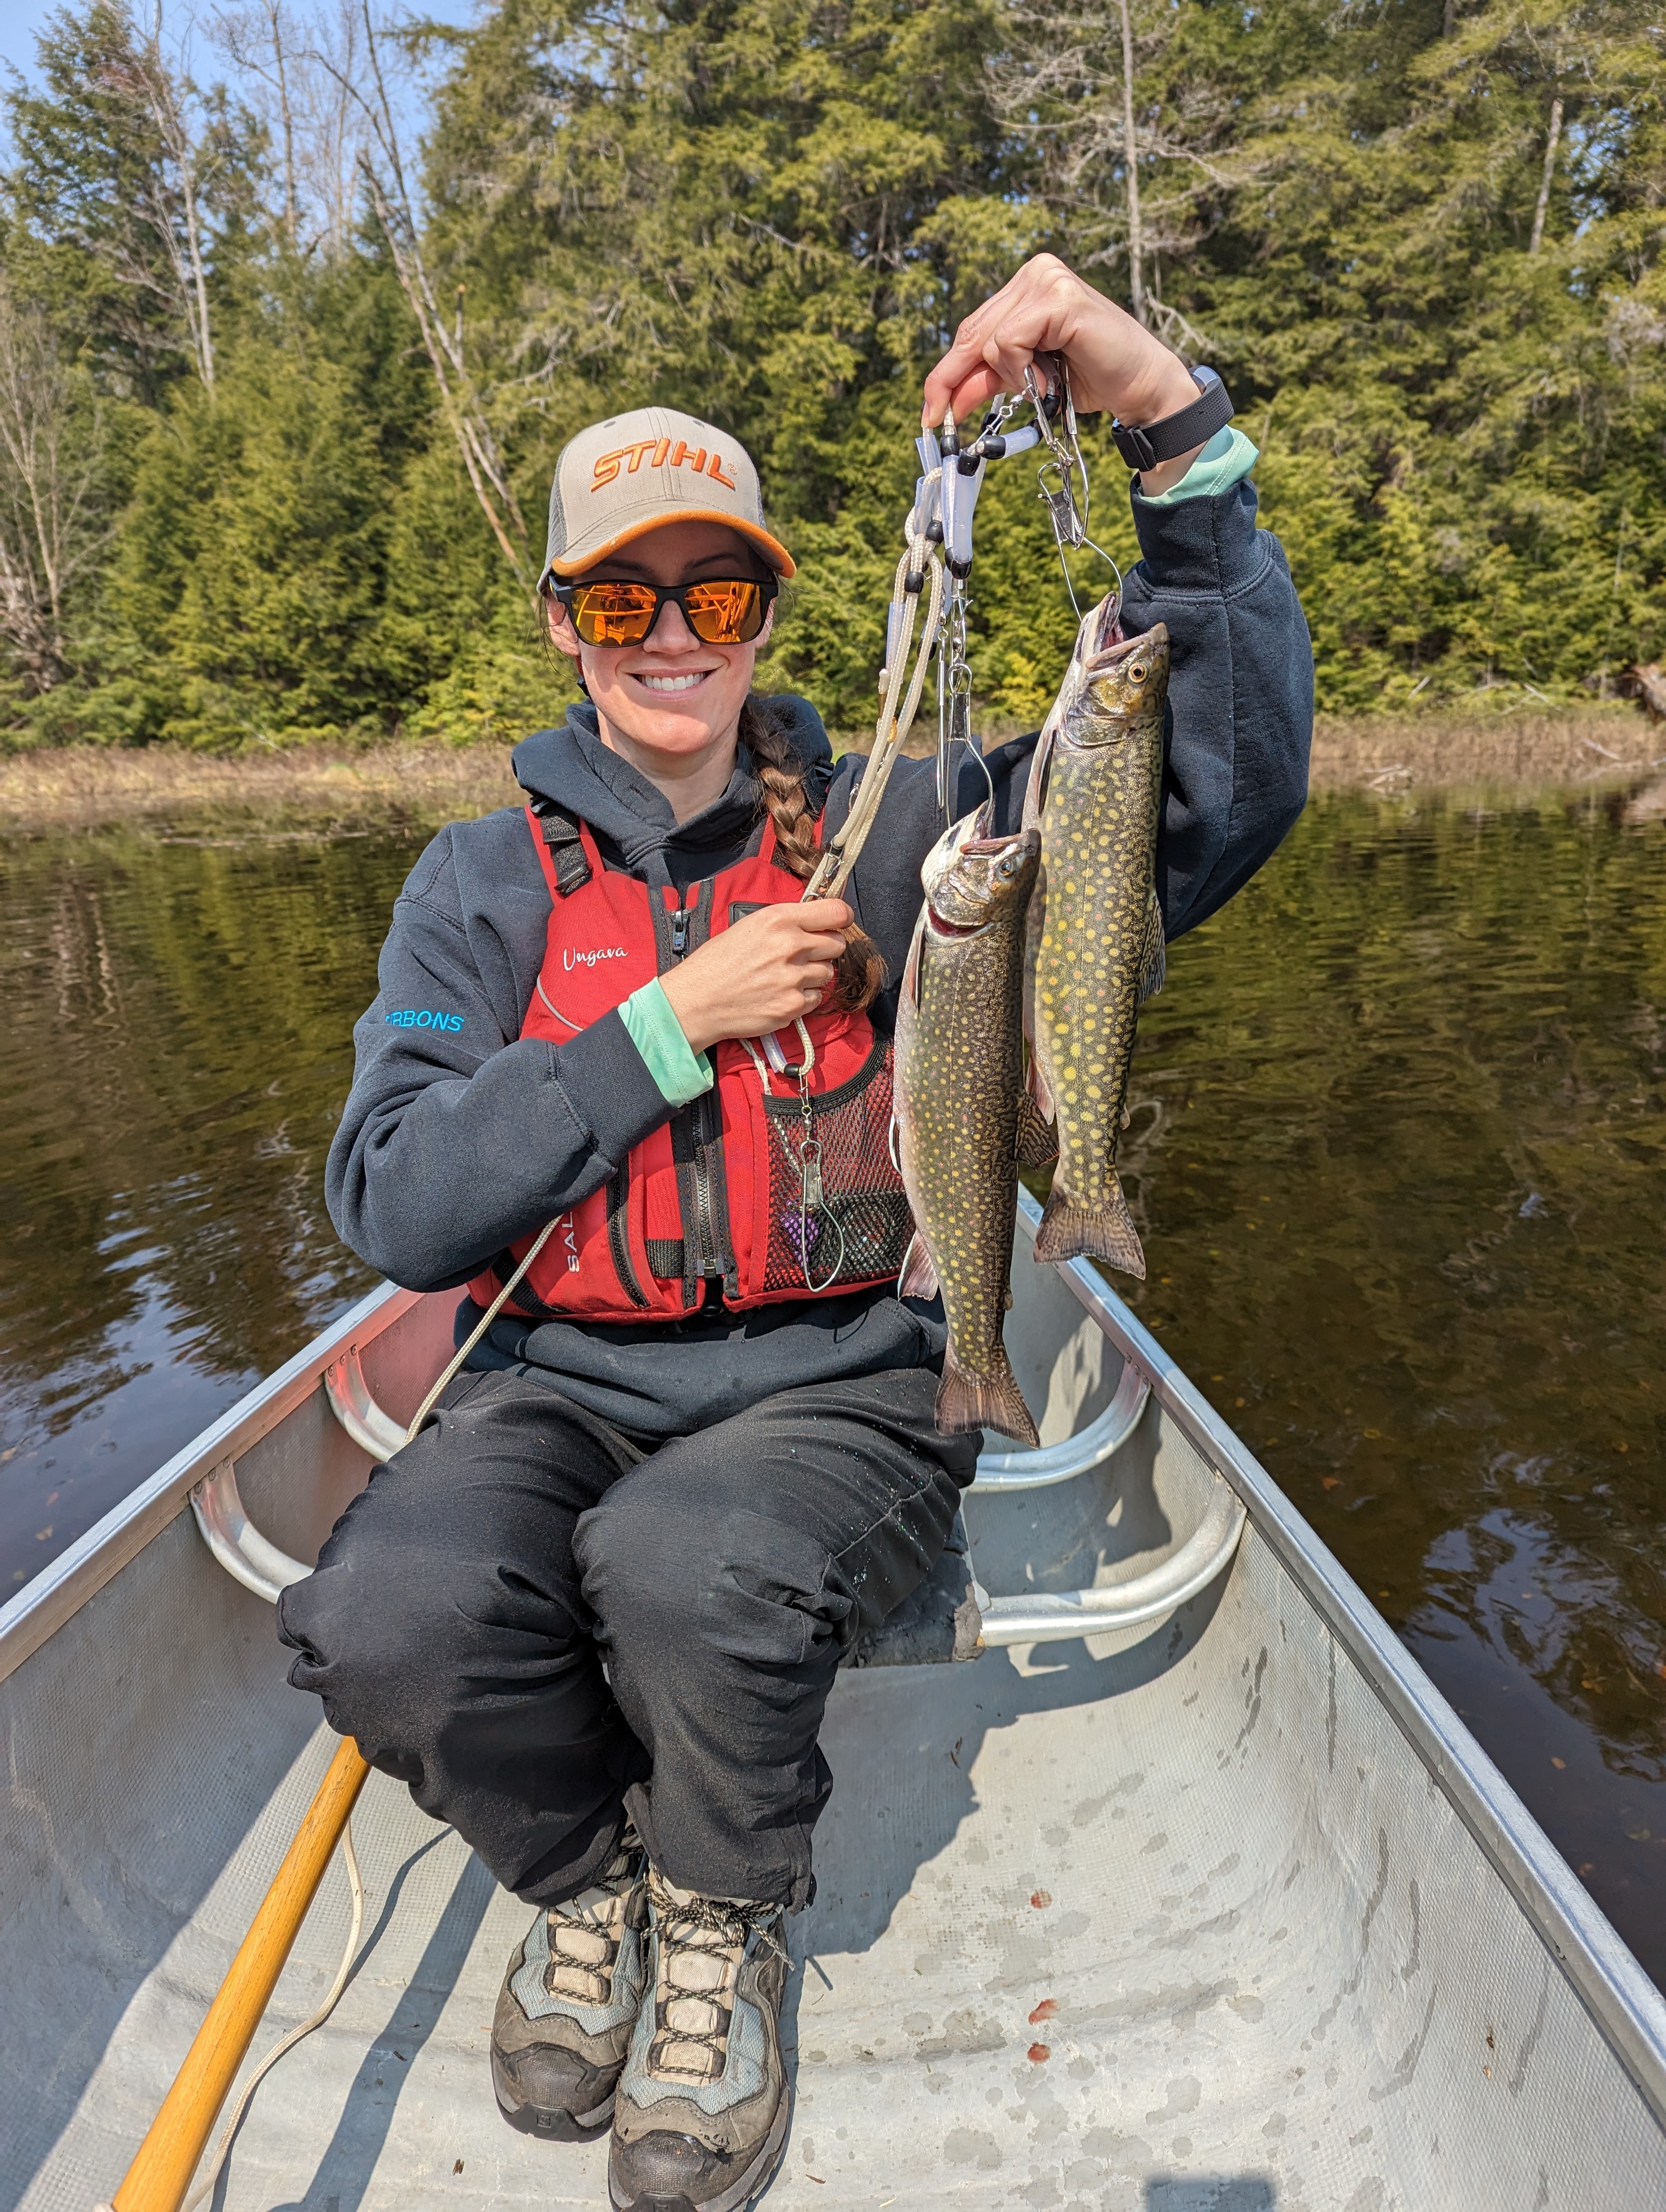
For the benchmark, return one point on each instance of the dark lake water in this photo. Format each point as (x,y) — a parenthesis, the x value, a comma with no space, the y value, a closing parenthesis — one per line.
(1397,1155)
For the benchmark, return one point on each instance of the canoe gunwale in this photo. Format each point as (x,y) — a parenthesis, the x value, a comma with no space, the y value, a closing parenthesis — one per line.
(59,1590)
(1627,2010)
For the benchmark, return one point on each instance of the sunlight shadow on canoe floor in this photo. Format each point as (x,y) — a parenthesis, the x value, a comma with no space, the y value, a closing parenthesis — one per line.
(1247,2192)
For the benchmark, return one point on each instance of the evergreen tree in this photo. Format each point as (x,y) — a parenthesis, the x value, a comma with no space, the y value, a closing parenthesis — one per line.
(300,394)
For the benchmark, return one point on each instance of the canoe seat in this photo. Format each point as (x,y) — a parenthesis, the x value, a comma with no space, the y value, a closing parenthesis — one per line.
(939,1621)
(1057,1336)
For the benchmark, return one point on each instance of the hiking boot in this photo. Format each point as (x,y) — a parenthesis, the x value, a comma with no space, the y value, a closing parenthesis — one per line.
(568,2002)
(701,2120)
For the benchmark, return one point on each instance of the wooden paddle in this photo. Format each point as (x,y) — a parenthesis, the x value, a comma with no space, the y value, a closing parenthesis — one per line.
(161,2173)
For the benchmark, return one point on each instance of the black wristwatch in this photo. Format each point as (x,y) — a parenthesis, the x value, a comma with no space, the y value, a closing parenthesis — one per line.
(1145,445)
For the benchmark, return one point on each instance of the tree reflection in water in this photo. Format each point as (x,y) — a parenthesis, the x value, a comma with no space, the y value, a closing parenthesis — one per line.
(178,1047)
(1396,1155)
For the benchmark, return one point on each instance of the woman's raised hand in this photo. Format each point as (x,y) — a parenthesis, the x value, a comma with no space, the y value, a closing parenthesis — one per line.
(1115,363)
(763,972)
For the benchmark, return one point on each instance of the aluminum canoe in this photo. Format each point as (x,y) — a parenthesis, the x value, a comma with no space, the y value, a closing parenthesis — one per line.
(1184,1888)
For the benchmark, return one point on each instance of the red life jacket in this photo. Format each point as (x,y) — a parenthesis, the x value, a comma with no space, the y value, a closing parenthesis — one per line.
(775,1186)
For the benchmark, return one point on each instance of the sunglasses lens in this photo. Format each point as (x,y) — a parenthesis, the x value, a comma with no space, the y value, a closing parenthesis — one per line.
(727,613)
(613,614)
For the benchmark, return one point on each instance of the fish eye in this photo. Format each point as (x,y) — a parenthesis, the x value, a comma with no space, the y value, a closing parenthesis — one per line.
(1137,672)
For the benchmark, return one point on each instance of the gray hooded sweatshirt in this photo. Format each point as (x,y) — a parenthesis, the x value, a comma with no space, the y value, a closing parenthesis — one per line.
(461,1135)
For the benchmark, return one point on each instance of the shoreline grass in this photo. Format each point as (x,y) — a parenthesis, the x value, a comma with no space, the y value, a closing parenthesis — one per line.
(323,787)
(1579,745)
(336,789)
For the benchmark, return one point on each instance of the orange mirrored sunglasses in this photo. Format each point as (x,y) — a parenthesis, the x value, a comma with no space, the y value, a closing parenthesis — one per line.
(728,610)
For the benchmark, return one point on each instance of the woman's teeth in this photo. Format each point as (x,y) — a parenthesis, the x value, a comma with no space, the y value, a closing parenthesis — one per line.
(674,683)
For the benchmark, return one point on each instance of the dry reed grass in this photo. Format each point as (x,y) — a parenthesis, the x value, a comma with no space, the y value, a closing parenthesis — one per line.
(322,789)
(83,786)
(1393,753)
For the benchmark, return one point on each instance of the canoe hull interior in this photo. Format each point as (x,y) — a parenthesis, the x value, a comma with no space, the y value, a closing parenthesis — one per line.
(1172,1919)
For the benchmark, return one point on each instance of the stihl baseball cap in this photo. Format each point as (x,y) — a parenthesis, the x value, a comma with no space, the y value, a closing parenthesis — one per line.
(634,471)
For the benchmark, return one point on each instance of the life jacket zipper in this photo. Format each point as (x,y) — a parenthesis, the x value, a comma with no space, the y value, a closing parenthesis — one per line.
(618,1235)
(707,1259)
(706,1263)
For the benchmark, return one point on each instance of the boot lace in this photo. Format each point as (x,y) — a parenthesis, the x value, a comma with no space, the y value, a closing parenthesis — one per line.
(701,1943)
(585,1931)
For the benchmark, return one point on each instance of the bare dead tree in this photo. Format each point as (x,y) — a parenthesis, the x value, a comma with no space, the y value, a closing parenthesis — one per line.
(301,73)
(1131,171)
(1553,138)
(171,205)
(382,164)
(51,527)
(258,41)
(1127,175)
(336,132)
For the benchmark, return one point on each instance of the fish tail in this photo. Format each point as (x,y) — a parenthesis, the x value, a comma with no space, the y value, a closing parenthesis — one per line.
(1070,1230)
(967,1401)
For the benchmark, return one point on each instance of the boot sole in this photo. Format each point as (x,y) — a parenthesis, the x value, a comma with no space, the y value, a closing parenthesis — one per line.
(756,2178)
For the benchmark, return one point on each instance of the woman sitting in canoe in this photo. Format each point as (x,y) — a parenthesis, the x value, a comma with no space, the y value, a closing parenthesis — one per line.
(592,1614)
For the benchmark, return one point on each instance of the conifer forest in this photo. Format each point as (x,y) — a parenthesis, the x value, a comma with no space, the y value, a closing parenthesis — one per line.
(296,309)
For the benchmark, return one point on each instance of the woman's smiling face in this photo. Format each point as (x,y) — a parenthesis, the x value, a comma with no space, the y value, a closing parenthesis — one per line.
(673,697)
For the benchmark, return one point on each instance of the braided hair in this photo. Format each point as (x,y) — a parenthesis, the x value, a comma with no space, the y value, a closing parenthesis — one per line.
(860,974)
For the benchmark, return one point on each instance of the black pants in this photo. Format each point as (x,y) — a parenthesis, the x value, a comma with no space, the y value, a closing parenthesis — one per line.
(463,1606)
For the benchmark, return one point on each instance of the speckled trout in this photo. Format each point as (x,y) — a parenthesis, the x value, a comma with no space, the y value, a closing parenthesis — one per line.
(961,1110)
(1095,951)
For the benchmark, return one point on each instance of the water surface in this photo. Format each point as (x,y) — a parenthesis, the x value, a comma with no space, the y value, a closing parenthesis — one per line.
(1396,1155)
(178,1050)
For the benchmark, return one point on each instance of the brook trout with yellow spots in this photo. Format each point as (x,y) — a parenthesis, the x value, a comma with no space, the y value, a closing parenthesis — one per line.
(1096,929)
(961,1108)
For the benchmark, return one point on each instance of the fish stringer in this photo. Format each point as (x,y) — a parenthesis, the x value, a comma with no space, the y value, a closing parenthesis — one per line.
(954,696)
(919,575)
(806,1153)
(1065,490)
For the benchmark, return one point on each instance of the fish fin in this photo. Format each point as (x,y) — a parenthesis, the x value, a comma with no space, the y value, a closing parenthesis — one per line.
(1035,921)
(1036,1142)
(1035,790)
(911,967)
(1154,966)
(966,1401)
(1070,1230)
(919,1276)
(1041,1095)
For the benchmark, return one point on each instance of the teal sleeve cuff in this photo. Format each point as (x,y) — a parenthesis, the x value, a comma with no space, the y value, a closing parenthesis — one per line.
(681,1072)
(1228,457)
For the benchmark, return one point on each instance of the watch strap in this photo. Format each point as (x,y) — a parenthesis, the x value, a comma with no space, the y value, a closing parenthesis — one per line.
(1144,446)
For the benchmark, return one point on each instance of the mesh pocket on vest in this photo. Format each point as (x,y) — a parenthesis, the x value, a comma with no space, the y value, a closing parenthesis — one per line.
(859,1231)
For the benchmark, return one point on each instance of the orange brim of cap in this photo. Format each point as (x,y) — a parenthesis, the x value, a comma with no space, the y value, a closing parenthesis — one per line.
(774,552)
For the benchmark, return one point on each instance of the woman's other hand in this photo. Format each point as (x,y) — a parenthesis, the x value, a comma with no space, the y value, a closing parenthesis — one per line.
(1115,363)
(768,970)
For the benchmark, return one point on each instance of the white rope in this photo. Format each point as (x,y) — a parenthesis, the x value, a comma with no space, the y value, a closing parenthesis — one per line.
(920,558)
(481,1327)
(205,2187)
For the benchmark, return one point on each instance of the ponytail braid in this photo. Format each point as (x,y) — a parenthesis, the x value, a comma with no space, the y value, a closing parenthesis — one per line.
(860,973)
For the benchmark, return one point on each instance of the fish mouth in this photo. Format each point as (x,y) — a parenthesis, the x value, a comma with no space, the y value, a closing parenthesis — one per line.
(1145,646)
(1109,613)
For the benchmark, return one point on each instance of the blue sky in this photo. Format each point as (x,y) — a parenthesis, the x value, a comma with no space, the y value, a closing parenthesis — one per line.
(21,19)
